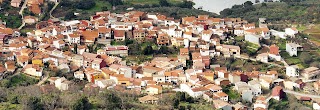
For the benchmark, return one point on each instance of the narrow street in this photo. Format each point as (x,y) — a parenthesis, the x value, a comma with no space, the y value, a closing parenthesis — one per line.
(253,59)
(301,94)
(21,13)
(45,77)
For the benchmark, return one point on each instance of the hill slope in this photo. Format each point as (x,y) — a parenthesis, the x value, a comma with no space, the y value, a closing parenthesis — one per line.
(277,12)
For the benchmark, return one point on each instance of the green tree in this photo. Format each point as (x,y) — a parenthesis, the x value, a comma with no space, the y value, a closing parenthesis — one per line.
(90,48)
(113,100)
(85,4)
(104,8)
(181,96)
(226,12)
(164,3)
(33,103)
(247,3)
(263,4)
(148,50)
(134,49)
(163,50)
(81,104)
(75,48)
(174,15)
(13,99)
(305,57)
(5,83)
(278,105)
(176,103)
(186,4)
(115,2)
(70,15)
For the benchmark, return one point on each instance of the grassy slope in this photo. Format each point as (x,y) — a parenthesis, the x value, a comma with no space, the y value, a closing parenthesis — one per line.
(314,33)
(99,5)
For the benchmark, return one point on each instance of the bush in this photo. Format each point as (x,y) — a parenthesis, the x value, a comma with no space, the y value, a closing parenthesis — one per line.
(13,21)
(305,57)
(85,4)
(70,15)
(19,80)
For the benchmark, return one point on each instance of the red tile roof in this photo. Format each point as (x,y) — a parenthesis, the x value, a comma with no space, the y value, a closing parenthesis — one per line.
(274,49)
(276,91)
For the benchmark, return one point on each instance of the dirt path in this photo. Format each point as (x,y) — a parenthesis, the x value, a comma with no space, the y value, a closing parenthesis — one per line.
(21,13)
(54,7)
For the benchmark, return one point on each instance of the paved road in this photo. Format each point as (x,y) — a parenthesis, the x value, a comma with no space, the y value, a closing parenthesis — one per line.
(253,59)
(46,76)
(284,62)
(301,94)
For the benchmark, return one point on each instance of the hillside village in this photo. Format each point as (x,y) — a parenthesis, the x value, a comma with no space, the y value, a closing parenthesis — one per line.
(85,51)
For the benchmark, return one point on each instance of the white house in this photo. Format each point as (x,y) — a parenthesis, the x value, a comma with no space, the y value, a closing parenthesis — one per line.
(293,48)
(274,52)
(288,84)
(263,57)
(253,38)
(186,42)
(241,87)
(221,95)
(247,95)
(171,22)
(79,75)
(291,31)
(279,34)
(173,31)
(122,26)
(238,31)
(103,83)
(261,103)
(214,88)
(292,71)
(62,83)
(255,87)
(219,104)
(204,52)
(206,35)
(193,92)
(120,69)
(74,38)
(58,44)
(33,70)
(249,26)
(316,106)
(187,35)
(265,82)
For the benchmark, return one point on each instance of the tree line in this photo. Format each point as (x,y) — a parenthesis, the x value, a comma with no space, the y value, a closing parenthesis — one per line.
(287,11)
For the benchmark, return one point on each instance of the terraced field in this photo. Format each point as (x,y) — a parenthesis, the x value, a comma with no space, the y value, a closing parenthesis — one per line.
(314,33)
